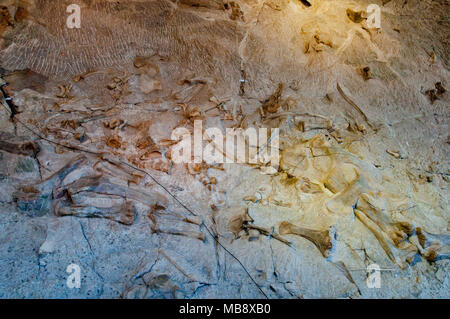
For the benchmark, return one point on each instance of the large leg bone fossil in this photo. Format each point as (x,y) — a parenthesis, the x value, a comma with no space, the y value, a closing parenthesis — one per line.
(172,223)
(59,176)
(377,212)
(124,214)
(116,170)
(435,247)
(18,145)
(321,238)
(397,253)
(35,200)
(89,196)
(102,185)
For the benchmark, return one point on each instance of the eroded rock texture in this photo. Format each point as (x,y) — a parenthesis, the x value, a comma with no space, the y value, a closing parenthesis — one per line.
(86,169)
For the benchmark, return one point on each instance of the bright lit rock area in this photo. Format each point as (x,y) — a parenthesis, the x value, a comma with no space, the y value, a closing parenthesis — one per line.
(88,180)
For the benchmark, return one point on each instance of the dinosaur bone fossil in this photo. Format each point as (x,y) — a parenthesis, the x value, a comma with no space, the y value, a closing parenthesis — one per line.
(35,198)
(18,145)
(398,253)
(321,238)
(123,214)
(435,247)
(100,184)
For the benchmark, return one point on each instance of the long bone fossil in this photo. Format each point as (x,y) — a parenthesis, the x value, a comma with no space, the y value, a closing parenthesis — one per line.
(397,231)
(393,251)
(99,185)
(102,185)
(166,222)
(36,199)
(18,145)
(123,214)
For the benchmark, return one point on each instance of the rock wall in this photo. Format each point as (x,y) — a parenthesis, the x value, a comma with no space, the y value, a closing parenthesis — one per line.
(88,177)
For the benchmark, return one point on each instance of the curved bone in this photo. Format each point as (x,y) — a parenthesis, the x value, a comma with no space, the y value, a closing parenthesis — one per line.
(267,232)
(320,238)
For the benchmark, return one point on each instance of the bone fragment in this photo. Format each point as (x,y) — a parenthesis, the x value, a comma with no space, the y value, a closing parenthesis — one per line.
(435,247)
(320,238)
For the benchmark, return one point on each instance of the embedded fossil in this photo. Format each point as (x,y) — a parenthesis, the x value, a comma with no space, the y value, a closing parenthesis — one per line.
(356,16)
(116,170)
(35,199)
(123,214)
(377,212)
(193,234)
(100,184)
(323,239)
(273,103)
(435,247)
(18,145)
(399,252)
(267,232)
(349,101)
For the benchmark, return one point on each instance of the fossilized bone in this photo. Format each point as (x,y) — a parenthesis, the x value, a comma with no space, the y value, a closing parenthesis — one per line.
(267,232)
(18,145)
(171,223)
(188,233)
(435,247)
(86,197)
(349,101)
(343,202)
(236,223)
(343,268)
(336,180)
(124,214)
(102,185)
(196,220)
(116,170)
(34,197)
(71,166)
(323,239)
(180,269)
(397,253)
(397,231)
